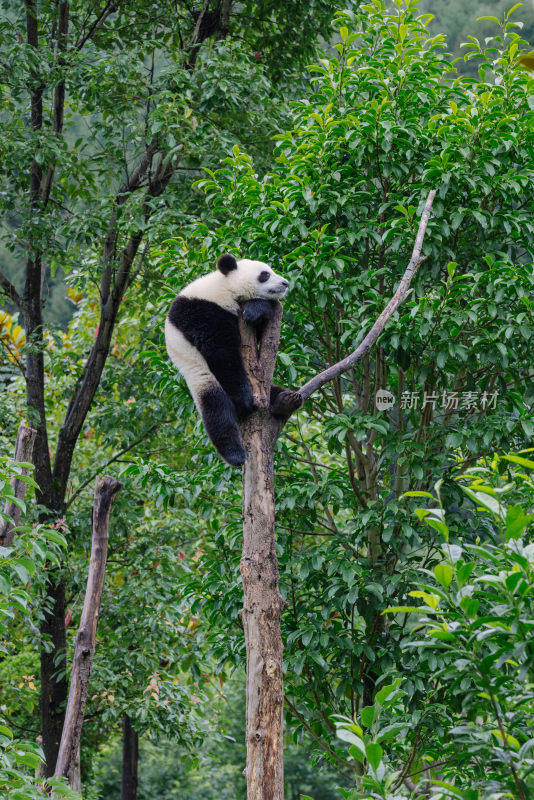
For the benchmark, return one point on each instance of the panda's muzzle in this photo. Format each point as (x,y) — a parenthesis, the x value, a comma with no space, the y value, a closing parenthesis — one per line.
(281,289)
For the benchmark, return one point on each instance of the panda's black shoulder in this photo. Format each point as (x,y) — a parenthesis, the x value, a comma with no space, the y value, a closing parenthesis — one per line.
(203,320)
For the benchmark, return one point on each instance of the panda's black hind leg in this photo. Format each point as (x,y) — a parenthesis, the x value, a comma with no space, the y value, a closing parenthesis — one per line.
(220,420)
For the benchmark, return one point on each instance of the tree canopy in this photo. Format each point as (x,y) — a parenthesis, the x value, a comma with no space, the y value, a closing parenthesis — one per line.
(140,142)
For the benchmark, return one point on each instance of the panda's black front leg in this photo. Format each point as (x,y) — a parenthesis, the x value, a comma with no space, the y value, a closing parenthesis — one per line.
(258,312)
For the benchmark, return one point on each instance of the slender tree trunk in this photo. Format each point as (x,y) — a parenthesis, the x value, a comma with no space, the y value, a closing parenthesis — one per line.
(84,648)
(54,684)
(130,760)
(23,452)
(263,605)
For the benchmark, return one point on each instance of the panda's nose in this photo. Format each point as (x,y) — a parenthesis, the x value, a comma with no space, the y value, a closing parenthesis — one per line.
(285,283)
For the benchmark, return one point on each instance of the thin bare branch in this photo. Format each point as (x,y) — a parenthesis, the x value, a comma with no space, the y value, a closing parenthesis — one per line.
(346,764)
(116,457)
(342,366)
(108,9)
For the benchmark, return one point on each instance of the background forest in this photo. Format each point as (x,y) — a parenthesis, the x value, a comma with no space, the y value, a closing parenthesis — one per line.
(139,142)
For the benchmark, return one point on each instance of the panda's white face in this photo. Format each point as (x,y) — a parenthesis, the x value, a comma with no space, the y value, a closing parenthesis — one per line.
(237,281)
(255,280)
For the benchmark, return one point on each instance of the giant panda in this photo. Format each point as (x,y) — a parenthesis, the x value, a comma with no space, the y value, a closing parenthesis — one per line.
(203,342)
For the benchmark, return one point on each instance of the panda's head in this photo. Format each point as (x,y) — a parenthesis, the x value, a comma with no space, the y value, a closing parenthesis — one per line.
(251,280)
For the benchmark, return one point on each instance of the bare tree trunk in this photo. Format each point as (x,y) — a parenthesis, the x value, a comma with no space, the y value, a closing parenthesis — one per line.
(130,760)
(23,452)
(263,605)
(105,491)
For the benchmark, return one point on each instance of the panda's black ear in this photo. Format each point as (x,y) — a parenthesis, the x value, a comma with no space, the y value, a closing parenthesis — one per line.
(226,263)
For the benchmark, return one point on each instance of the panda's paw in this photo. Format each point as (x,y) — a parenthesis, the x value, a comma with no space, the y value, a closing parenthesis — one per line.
(255,311)
(235,456)
(286,402)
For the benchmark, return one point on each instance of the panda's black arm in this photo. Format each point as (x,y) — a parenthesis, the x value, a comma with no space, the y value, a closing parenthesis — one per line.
(257,312)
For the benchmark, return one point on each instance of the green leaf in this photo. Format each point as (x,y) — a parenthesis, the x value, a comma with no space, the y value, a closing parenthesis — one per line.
(524,462)
(443,574)
(430,599)
(27,564)
(463,572)
(387,691)
(374,755)
(442,636)
(367,716)
(470,605)
(488,661)
(511,741)
(516,522)
(486,501)
(350,736)
(437,524)
(357,754)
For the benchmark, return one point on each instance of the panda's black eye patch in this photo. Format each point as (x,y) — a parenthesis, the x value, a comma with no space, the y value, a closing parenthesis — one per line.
(264,276)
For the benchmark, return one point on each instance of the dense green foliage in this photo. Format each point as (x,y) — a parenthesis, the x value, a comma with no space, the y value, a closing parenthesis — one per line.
(473,635)
(218,774)
(22,571)
(333,203)
(338,216)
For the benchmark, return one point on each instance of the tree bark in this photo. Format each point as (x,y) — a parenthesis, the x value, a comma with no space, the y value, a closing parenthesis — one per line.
(263,605)
(130,760)
(105,491)
(23,452)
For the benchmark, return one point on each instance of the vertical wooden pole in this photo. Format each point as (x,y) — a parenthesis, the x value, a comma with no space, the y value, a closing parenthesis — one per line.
(105,492)
(263,604)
